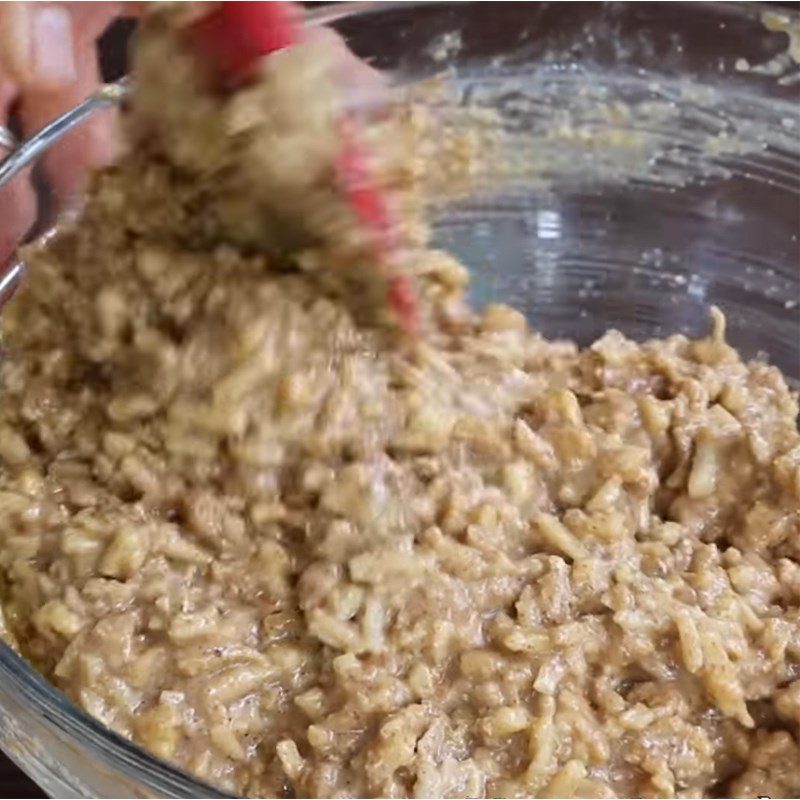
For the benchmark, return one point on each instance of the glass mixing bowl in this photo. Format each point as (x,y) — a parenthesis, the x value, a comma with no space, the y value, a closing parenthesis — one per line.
(657,173)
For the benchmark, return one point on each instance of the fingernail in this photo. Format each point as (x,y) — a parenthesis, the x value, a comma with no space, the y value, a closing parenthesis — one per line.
(15,41)
(52,50)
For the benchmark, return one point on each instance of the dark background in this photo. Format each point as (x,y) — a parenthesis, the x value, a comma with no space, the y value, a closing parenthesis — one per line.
(14,783)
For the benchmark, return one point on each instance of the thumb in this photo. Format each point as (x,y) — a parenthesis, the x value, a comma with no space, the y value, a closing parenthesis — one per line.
(37,45)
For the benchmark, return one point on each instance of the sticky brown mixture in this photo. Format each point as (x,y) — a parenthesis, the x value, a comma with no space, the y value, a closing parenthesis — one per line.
(267,545)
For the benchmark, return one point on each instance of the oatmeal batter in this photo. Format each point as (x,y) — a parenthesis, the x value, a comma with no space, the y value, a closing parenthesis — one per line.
(245,531)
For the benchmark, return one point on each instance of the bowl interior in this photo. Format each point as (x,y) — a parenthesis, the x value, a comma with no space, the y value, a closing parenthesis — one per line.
(653,175)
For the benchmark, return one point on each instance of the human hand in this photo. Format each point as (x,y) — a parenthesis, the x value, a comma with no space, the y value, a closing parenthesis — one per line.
(48,64)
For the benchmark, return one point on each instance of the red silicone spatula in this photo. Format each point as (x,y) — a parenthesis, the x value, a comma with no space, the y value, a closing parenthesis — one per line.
(233,38)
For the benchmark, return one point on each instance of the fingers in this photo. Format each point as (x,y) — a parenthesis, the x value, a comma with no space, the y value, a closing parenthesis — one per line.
(37,45)
(49,51)
(88,146)
(17,212)
(91,19)
(17,202)
(40,43)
